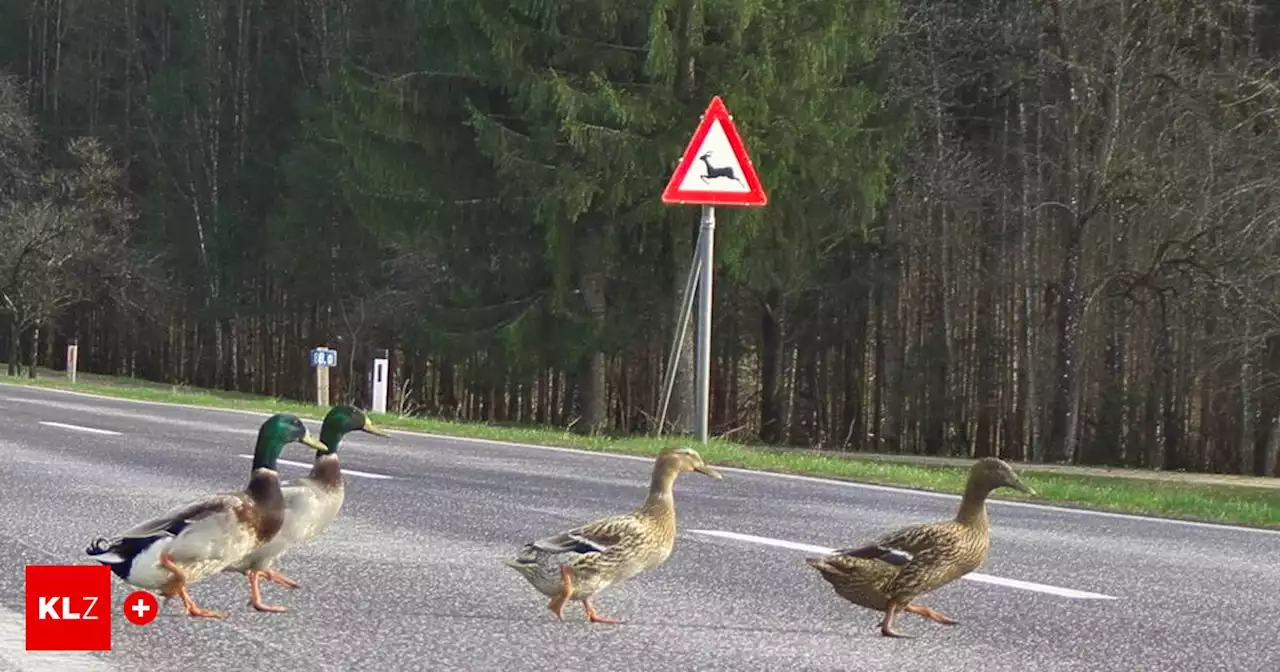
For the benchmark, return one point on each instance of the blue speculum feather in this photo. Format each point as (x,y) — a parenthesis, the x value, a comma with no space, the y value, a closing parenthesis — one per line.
(585,547)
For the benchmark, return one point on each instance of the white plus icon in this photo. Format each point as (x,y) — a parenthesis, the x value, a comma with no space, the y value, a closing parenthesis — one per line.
(141,603)
(141,608)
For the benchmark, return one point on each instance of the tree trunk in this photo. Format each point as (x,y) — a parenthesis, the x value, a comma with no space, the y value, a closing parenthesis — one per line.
(1171,424)
(543,409)
(593,373)
(1244,448)
(34,354)
(804,410)
(936,398)
(853,356)
(526,401)
(15,347)
(1107,444)
(1268,436)
(1066,391)
(446,393)
(569,393)
(986,389)
(1270,459)
(771,354)
(878,404)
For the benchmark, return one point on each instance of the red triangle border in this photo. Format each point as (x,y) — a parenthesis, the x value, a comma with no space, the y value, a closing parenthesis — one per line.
(716,111)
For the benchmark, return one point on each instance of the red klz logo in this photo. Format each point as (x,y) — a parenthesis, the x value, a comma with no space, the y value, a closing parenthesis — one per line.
(68,608)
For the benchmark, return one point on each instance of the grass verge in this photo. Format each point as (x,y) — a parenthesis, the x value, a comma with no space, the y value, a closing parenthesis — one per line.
(1187,500)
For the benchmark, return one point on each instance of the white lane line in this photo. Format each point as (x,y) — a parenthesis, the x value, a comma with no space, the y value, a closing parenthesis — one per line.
(13,650)
(345,471)
(1222,527)
(80,428)
(972,576)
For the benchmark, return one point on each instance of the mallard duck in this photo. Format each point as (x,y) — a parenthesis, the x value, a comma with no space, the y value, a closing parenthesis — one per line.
(891,572)
(198,539)
(579,563)
(310,502)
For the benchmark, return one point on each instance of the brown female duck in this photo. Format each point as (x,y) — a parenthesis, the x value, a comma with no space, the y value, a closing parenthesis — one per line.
(890,573)
(579,563)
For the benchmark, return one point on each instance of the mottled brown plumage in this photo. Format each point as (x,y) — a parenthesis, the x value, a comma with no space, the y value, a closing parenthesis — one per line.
(891,572)
(579,563)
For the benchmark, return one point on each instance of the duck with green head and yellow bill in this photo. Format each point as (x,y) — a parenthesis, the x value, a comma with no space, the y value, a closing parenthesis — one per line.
(310,503)
(198,539)
(579,563)
(888,574)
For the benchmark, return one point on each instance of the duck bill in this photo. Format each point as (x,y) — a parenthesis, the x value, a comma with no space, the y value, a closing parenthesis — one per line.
(313,443)
(373,429)
(1018,485)
(708,471)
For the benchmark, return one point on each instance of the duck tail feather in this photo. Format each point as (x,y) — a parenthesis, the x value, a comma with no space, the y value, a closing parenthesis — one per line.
(99,546)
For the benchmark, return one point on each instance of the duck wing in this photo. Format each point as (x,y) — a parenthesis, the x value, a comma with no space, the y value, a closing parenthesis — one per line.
(597,536)
(127,545)
(900,547)
(928,557)
(177,519)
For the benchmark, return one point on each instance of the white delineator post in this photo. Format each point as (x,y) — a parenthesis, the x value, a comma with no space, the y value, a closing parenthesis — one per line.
(379,381)
(73,358)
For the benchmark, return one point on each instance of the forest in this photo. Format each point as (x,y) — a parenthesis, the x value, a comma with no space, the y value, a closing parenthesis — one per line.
(1044,230)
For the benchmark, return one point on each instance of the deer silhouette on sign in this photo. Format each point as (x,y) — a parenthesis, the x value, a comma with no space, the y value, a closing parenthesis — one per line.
(714,172)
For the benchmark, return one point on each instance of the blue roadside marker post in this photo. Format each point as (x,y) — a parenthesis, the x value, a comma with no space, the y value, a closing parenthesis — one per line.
(322,359)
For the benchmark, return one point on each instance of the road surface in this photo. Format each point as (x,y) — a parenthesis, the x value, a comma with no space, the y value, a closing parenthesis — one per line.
(410,577)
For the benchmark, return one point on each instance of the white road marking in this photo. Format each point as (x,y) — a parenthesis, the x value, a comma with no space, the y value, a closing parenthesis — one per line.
(753,472)
(780,543)
(345,471)
(13,650)
(972,576)
(80,428)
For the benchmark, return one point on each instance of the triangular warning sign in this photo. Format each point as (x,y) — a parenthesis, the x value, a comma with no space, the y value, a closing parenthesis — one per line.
(715,169)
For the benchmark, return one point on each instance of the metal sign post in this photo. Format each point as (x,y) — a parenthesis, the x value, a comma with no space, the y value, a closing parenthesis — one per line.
(730,180)
(708,235)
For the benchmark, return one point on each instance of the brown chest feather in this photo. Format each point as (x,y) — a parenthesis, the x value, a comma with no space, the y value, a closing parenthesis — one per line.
(263,510)
(327,472)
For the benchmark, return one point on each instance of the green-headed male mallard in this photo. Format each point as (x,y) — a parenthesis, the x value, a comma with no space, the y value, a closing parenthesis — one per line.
(200,538)
(310,503)
(579,563)
(891,572)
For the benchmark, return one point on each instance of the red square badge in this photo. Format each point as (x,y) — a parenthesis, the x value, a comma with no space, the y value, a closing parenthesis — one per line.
(68,608)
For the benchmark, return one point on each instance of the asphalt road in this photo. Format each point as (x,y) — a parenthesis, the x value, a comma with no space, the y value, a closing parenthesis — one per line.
(410,577)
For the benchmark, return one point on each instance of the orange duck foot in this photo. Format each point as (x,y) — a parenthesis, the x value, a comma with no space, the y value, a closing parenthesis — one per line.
(594,617)
(930,614)
(255,595)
